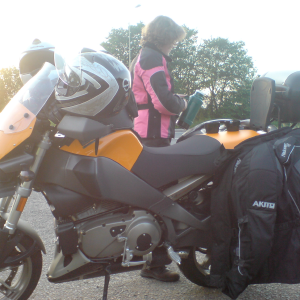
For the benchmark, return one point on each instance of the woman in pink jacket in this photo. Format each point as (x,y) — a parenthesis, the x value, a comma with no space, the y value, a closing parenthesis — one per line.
(158,106)
(153,84)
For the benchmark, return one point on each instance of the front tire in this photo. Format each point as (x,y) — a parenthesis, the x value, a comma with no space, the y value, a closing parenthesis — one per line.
(18,282)
(196,267)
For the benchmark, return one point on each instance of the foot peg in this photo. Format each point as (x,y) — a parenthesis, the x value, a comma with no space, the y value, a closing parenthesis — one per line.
(173,255)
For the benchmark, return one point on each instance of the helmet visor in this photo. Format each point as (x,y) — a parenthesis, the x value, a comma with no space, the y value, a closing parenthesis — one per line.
(68,66)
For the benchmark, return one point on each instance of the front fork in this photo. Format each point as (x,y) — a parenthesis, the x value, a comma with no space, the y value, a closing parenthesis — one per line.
(24,190)
(4,204)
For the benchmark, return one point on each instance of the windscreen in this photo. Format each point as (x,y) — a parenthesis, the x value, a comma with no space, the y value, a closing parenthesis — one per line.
(27,103)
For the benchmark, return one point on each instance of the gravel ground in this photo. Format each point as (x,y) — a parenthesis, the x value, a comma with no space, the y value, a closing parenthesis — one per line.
(129,285)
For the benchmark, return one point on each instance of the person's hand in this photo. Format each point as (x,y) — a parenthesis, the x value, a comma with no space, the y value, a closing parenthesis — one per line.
(185,101)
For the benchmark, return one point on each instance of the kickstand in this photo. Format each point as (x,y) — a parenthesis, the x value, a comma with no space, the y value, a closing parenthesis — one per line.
(106,282)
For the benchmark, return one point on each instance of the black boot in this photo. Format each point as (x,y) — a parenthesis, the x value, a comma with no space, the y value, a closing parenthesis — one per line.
(160,273)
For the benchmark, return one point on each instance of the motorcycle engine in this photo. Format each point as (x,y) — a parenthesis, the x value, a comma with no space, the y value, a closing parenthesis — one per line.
(106,237)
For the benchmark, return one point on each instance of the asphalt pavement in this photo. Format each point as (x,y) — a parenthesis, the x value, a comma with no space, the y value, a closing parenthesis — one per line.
(129,285)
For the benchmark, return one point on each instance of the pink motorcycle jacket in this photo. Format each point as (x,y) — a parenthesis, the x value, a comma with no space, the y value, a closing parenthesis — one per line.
(152,85)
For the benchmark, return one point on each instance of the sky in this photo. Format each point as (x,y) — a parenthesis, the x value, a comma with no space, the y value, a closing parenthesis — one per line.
(269,29)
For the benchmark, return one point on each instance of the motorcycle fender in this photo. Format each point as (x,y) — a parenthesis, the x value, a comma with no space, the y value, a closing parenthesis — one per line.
(26,228)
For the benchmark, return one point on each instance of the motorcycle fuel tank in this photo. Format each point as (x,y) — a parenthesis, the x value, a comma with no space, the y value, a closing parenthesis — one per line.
(122,147)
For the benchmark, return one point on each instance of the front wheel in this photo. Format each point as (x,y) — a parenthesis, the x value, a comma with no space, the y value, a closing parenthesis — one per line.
(18,282)
(196,267)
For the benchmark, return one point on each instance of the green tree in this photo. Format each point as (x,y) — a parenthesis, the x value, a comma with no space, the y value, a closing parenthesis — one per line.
(10,83)
(184,66)
(225,72)
(220,68)
(236,104)
(118,40)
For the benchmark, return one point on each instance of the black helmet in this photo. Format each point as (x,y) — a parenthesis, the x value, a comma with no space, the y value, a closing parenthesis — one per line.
(96,85)
(33,59)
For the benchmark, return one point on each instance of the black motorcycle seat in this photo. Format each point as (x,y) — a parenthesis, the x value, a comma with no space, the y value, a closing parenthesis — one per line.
(159,166)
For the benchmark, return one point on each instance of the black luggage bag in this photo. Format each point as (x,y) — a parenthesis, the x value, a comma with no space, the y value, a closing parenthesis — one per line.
(256,213)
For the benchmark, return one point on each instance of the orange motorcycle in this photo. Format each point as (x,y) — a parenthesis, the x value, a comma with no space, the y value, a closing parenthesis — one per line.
(117,204)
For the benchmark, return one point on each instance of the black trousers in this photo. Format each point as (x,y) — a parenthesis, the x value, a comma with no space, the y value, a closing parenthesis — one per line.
(160,257)
(156,142)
